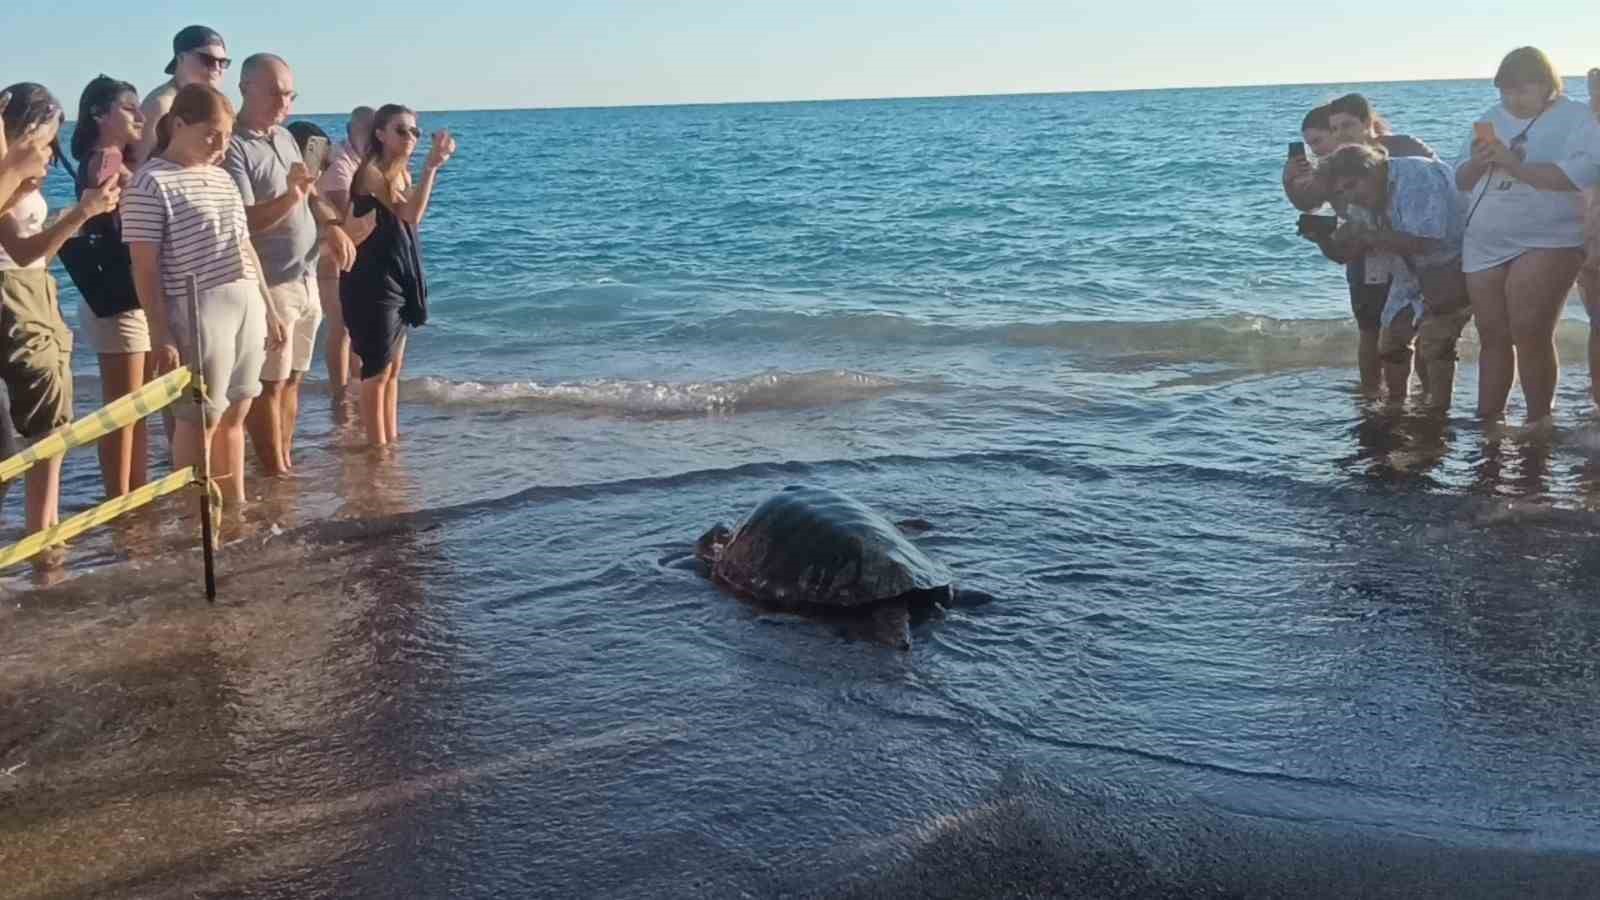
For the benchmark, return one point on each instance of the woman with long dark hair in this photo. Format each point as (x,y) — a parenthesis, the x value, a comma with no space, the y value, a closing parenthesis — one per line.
(35,344)
(183,220)
(385,291)
(105,142)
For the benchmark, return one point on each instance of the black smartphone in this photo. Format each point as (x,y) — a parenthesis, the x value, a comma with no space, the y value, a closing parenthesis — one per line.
(1297,149)
(1314,227)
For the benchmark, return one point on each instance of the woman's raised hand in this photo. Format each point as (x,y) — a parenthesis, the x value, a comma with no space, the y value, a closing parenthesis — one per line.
(102,199)
(444,147)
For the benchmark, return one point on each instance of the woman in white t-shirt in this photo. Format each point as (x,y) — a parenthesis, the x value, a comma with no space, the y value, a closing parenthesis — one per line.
(35,344)
(183,220)
(1524,242)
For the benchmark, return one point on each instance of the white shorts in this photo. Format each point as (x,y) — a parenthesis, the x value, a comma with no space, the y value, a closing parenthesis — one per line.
(124,333)
(233,322)
(299,305)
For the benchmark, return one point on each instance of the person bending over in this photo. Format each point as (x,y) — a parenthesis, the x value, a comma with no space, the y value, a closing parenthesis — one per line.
(1417,232)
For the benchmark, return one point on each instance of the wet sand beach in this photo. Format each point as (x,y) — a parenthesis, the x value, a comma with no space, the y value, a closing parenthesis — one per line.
(281,743)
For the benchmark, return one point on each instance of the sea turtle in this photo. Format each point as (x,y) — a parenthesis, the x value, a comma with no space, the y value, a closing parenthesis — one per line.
(814,551)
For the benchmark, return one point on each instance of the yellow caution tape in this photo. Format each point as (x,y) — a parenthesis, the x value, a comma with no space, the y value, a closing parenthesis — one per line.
(122,412)
(34,544)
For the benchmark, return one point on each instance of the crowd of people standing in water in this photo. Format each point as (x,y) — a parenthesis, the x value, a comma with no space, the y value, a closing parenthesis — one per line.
(184,203)
(1498,237)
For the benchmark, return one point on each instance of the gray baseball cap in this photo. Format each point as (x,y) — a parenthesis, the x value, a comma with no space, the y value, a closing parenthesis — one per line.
(193,38)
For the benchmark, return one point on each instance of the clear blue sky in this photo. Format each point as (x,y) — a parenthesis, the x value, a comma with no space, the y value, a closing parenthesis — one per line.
(472,54)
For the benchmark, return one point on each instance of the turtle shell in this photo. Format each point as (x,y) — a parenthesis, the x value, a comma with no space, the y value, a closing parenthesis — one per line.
(812,546)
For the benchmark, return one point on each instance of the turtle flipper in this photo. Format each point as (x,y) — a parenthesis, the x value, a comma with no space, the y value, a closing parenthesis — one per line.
(891,624)
(968,598)
(914,527)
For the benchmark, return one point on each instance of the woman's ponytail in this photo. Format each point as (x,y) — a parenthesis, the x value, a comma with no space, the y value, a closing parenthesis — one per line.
(163,134)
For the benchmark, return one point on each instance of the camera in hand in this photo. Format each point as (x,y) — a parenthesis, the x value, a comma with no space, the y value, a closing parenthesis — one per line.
(1317,228)
(1297,149)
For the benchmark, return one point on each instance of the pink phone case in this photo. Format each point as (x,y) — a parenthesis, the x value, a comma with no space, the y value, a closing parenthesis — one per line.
(109,168)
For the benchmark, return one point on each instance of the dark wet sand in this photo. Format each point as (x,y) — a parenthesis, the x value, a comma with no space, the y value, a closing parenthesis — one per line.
(1036,839)
(121,699)
(151,745)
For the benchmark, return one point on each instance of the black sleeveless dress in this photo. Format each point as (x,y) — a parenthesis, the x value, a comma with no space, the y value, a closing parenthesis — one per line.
(385,291)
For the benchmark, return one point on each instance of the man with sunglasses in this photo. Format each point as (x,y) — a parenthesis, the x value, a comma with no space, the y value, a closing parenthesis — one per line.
(289,225)
(199,56)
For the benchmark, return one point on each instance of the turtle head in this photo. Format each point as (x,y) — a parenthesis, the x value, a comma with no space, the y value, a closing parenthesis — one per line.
(709,548)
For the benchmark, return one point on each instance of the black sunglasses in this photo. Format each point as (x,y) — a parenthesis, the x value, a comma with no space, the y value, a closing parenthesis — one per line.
(412,130)
(220,63)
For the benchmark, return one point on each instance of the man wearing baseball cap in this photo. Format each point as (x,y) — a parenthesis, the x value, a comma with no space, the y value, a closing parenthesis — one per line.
(199,56)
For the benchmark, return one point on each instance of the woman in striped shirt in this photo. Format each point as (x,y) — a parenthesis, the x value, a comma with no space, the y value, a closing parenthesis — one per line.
(183,221)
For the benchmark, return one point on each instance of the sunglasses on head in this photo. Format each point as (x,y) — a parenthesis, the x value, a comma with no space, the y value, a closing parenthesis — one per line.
(220,63)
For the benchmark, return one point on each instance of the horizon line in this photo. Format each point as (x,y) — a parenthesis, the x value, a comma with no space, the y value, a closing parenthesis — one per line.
(893,97)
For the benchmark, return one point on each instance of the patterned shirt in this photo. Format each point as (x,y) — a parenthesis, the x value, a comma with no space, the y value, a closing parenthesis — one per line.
(1423,202)
(197,217)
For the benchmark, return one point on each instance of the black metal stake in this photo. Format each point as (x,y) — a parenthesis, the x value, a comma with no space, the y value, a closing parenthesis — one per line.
(205,445)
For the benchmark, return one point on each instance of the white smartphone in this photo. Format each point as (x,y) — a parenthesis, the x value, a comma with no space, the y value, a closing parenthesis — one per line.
(316,154)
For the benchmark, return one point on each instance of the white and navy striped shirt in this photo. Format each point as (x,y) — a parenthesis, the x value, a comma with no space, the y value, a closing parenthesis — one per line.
(197,217)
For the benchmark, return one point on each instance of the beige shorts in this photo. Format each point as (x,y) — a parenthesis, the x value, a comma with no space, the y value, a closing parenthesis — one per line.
(1439,334)
(1436,336)
(123,333)
(299,305)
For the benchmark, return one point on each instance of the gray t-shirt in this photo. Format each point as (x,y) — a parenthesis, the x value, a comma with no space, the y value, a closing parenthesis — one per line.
(259,164)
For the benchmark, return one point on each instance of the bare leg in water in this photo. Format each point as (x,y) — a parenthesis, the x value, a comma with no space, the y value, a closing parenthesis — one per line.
(1367,356)
(337,348)
(225,441)
(265,424)
(1497,354)
(1537,287)
(1395,347)
(290,409)
(43,495)
(124,454)
(1589,284)
(392,397)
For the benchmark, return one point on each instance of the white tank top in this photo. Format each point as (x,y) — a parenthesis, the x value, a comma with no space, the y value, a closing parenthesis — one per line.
(29,213)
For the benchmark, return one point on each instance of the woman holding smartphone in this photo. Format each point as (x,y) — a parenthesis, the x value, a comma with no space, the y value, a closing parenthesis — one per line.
(1524,240)
(110,128)
(386,291)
